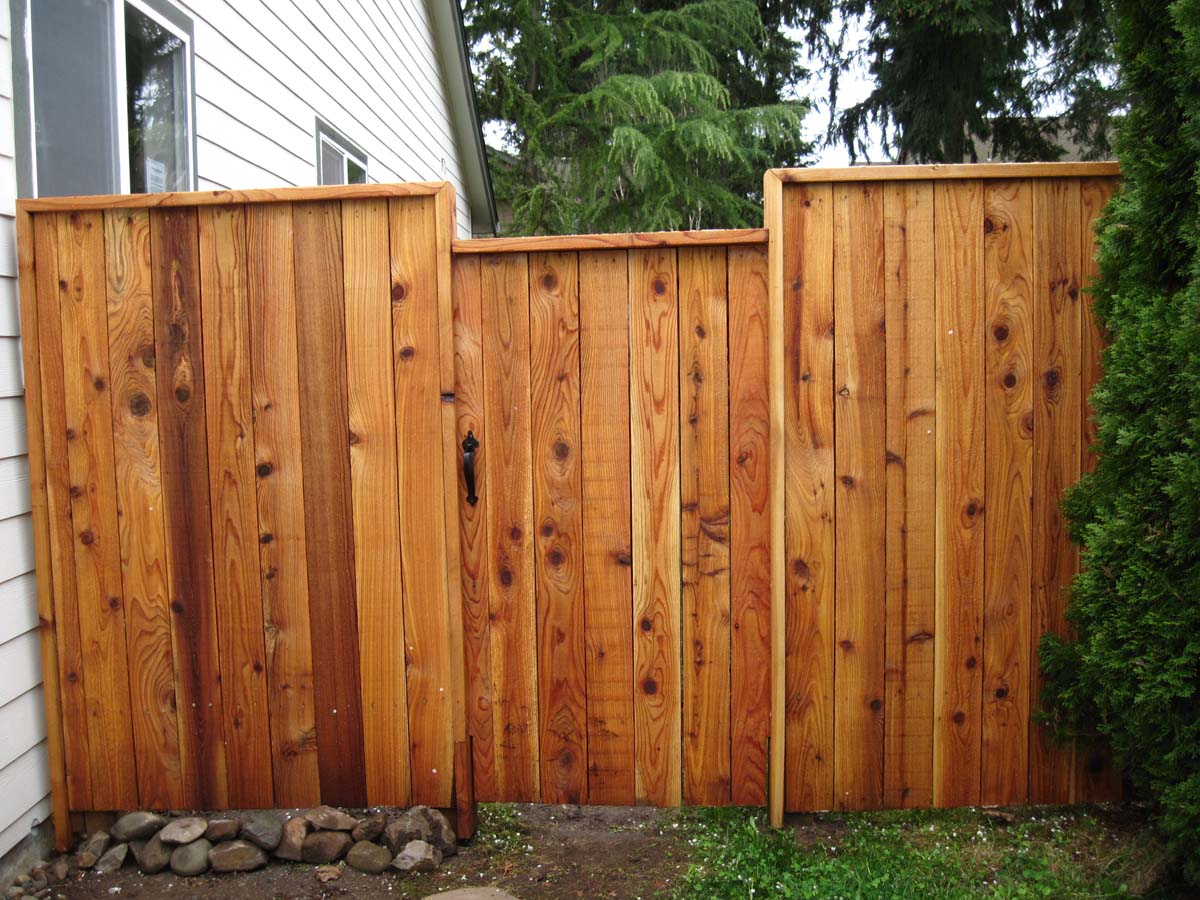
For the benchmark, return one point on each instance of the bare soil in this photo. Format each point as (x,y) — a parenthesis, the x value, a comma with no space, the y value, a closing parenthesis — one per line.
(536,853)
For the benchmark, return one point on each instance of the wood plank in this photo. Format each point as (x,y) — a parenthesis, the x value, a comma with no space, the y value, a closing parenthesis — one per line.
(183,448)
(953,172)
(860,496)
(375,500)
(749,523)
(472,521)
(229,414)
(958,620)
(321,353)
(607,550)
(908,289)
(1097,779)
(142,529)
(555,243)
(809,494)
(176,199)
(36,446)
(58,497)
(704,494)
(511,603)
(427,626)
(1057,442)
(283,565)
(1008,482)
(654,440)
(557,499)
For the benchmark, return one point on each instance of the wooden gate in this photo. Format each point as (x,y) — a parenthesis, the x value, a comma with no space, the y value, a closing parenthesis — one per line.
(615,566)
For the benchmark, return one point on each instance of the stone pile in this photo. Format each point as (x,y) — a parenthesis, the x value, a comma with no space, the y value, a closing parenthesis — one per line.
(413,840)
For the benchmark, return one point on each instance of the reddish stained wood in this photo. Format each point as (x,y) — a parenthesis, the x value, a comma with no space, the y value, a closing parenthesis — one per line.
(179,378)
(557,497)
(704,491)
(321,353)
(749,524)
(908,290)
(140,508)
(607,552)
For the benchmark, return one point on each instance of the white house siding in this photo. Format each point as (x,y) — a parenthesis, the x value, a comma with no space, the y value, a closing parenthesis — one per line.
(265,71)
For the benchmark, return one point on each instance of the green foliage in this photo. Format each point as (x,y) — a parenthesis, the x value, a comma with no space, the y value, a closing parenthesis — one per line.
(949,72)
(1134,672)
(915,855)
(629,115)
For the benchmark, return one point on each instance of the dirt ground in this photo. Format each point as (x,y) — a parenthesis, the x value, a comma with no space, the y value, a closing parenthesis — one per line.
(533,852)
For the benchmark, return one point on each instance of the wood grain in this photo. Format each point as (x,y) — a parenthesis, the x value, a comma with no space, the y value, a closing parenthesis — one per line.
(749,524)
(557,243)
(1008,396)
(948,172)
(704,495)
(607,550)
(911,485)
(324,416)
(654,439)
(142,529)
(809,494)
(958,626)
(557,511)
(511,592)
(375,500)
(283,568)
(229,415)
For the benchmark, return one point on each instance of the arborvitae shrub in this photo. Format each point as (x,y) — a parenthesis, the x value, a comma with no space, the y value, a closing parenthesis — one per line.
(1134,671)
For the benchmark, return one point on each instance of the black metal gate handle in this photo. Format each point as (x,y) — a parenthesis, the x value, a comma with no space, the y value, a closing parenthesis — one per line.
(470,444)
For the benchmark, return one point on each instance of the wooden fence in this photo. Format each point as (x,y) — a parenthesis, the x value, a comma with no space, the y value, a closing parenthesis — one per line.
(767,513)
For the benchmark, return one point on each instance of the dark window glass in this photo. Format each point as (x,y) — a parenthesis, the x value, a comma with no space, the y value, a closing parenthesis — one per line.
(156,92)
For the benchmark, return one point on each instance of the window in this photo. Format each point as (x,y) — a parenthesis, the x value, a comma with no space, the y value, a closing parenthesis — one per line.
(111,97)
(338,161)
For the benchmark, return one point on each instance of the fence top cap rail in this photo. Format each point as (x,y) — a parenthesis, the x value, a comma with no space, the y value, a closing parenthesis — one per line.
(217,198)
(943,171)
(644,239)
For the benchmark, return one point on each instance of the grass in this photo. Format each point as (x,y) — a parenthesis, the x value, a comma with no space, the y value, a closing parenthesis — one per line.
(924,855)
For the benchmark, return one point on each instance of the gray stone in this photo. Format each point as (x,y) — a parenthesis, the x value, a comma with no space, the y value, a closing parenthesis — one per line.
(408,826)
(113,859)
(294,833)
(14,891)
(137,826)
(329,819)
(59,870)
(263,830)
(152,856)
(36,885)
(236,856)
(91,851)
(443,836)
(222,830)
(369,858)
(369,827)
(418,856)
(322,847)
(191,859)
(473,893)
(183,831)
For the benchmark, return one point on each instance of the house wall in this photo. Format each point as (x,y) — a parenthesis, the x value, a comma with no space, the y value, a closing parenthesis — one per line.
(264,73)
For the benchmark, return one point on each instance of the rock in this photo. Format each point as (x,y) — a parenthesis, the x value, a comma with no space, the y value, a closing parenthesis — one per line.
(369,858)
(91,851)
(408,826)
(222,830)
(264,830)
(59,870)
(369,827)
(294,833)
(14,891)
(322,847)
(36,886)
(473,893)
(236,856)
(137,826)
(443,836)
(191,859)
(326,874)
(418,856)
(152,856)
(183,831)
(113,859)
(329,819)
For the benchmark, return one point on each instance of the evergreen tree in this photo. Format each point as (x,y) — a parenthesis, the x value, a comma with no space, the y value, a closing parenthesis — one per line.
(626,115)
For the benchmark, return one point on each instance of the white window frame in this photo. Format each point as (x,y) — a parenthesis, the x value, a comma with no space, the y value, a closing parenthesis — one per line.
(326,135)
